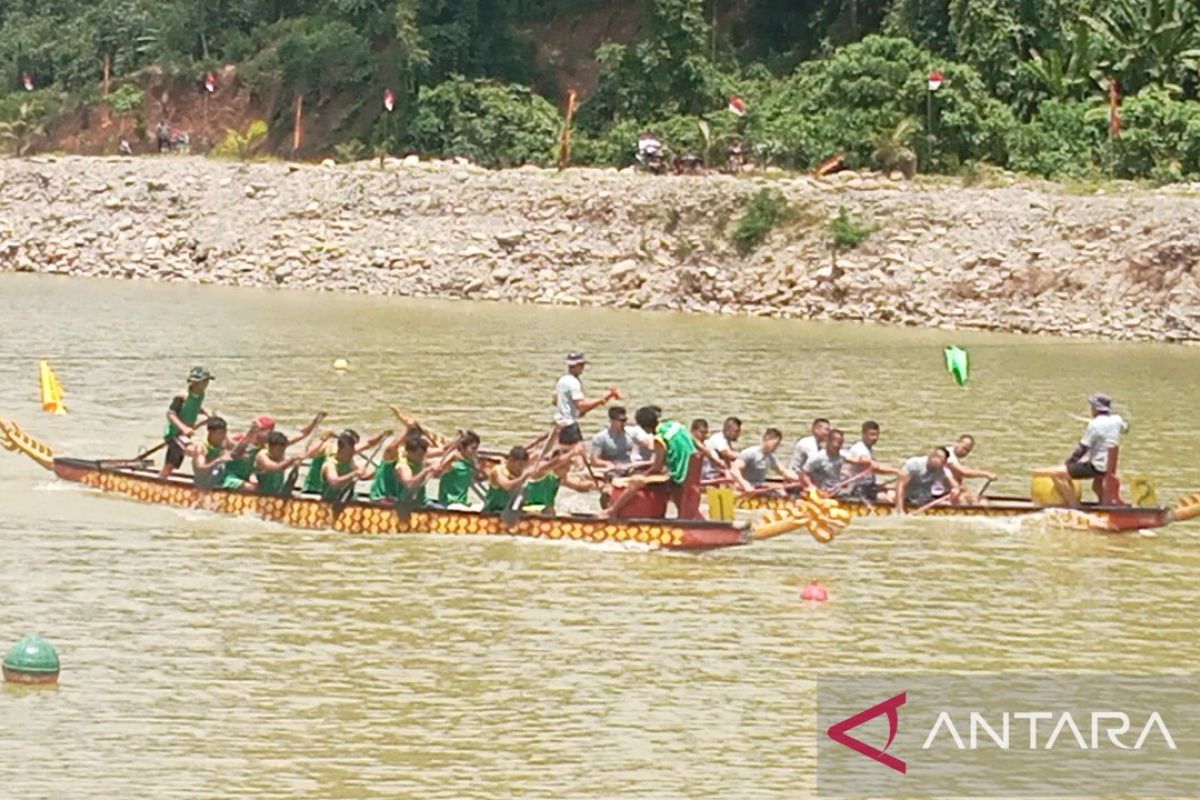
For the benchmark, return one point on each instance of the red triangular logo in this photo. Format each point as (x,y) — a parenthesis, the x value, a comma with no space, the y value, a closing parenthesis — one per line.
(890,707)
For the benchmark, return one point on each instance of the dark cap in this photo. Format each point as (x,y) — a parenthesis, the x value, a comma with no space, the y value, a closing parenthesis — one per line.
(1100,401)
(199,374)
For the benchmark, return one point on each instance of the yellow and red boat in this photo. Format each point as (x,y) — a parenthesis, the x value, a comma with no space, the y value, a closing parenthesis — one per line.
(137,481)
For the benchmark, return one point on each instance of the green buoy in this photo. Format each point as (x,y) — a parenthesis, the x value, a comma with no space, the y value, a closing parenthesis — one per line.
(958,364)
(31,660)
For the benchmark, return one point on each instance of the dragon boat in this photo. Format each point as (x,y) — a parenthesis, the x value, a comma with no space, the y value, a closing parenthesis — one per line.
(138,481)
(1094,516)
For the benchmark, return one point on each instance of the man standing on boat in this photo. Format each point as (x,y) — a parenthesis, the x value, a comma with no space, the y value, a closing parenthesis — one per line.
(1090,459)
(862,468)
(924,480)
(182,415)
(672,458)
(570,403)
(753,464)
(810,445)
(958,454)
(720,450)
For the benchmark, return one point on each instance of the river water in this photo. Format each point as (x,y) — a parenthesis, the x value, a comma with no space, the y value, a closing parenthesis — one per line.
(214,657)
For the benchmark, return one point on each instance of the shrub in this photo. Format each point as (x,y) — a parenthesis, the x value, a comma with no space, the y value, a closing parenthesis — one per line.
(846,232)
(242,145)
(492,124)
(126,99)
(763,212)
(1063,140)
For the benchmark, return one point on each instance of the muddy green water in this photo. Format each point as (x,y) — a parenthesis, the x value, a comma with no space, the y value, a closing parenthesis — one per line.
(213,657)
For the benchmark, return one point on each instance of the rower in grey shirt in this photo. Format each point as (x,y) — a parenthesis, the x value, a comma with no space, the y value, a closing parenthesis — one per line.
(810,445)
(618,445)
(755,463)
(824,470)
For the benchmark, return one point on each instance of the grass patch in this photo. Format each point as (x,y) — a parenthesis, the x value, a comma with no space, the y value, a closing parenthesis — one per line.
(847,232)
(765,210)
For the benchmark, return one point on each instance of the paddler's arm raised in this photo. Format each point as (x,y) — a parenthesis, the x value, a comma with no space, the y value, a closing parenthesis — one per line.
(368,444)
(307,430)
(583,405)
(319,444)
(264,463)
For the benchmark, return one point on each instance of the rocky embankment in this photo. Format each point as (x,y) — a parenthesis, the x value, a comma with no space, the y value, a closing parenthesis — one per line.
(1015,257)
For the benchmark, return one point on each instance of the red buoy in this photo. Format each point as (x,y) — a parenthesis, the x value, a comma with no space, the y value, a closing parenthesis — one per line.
(815,593)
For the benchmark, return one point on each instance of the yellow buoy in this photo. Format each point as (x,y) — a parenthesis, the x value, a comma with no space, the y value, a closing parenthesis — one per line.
(51,389)
(341,365)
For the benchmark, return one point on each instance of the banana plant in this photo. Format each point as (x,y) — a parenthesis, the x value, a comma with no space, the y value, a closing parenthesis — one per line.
(1065,76)
(1148,42)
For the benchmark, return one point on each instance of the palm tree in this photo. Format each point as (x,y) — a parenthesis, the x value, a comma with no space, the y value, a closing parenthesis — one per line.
(19,133)
(893,148)
(1148,42)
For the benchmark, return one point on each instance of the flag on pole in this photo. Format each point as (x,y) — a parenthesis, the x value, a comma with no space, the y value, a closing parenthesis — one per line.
(1114,109)
(389,99)
(935,80)
(27,81)
(737,106)
(210,82)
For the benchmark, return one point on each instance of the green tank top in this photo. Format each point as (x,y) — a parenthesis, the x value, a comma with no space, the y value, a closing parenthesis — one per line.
(542,492)
(188,414)
(211,452)
(418,497)
(680,447)
(331,494)
(242,468)
(314,480)
(270,482)
(455,485)
(496,499)
(385,486)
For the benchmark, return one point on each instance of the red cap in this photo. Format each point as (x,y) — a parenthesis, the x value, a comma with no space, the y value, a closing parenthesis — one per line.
(266,422)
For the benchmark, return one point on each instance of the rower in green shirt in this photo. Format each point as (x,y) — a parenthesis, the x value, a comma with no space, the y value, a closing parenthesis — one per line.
(672,458)
(404,481)
(343,472)
(542,481)
(185,410)
(454,487)
(271,465)
(314,480)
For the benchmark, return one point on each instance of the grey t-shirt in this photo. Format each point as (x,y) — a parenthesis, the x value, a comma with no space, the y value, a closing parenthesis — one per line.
(616,447)
(758,464)
(924,484)
(806,448)
(712,463)
(1102,433)
(825,470)
(860,450)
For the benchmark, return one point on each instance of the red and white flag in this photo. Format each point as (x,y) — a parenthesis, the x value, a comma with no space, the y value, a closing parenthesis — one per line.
(737,106)
(389,99)
(27,81)
(935,80)
(210,82)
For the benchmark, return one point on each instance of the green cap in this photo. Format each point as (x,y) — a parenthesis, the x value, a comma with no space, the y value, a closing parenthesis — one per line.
(199,374)
(33,654)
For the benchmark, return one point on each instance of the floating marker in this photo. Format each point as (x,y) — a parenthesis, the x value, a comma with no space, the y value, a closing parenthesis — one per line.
(51,389)
(814,593)
(958,364)
(31,660)
(341,365)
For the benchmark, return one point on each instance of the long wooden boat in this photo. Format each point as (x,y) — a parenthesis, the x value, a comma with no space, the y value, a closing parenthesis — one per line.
(139,482)
(1089,516)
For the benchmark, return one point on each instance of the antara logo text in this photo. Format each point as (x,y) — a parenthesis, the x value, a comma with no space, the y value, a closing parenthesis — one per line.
(1026,730)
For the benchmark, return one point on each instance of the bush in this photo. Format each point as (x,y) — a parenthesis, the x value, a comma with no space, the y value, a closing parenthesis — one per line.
(1160,138)
(492,124)
(1063,140)
(764,211)
(126,99)
(847,232)
(242,145)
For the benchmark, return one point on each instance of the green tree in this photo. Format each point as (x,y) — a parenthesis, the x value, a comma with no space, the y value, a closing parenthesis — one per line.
(22,129)
(1148,42)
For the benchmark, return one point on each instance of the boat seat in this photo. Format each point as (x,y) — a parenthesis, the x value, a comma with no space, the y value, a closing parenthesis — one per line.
(1108,486)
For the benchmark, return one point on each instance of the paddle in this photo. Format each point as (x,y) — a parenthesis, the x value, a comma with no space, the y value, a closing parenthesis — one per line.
(512,512)
(932,503)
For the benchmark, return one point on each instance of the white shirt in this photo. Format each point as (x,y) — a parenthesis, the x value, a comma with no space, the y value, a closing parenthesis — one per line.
(859,450)
(713,461)
(1102,433)
(806,448)
(568,391)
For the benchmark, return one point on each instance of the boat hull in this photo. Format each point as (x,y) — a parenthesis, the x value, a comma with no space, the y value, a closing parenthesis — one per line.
(359,517)
(1105,519)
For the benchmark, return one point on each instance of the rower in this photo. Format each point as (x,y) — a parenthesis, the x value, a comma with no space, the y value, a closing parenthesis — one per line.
(341,474)
(810,445)
(925,479)
(614,448)
(454,487)
(862,468)
(699,431)
(570,403)
(958,453)
(314,480)
(1090,459)
(271,465)
(181,419)
(239,470)
(397,480)
(542,489)
(210,456)
(753,464)
(824,470)
(671,462)
(719,450)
